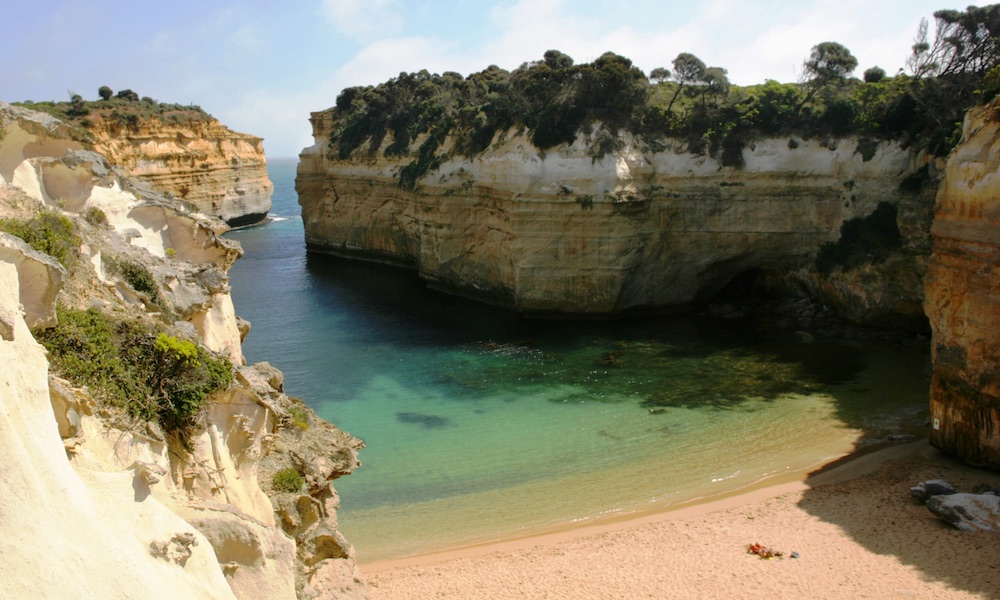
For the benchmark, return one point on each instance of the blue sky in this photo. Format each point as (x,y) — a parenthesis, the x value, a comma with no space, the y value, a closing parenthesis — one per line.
(260,66)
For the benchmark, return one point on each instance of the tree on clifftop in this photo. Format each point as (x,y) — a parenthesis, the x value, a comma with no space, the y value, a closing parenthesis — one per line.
(105,92)
(688,68)
(128,95)
(557,60)
(659,75)
(829,64)
(965,43)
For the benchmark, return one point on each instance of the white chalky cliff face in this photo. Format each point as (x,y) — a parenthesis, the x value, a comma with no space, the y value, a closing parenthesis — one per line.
(98,506)
(561,231)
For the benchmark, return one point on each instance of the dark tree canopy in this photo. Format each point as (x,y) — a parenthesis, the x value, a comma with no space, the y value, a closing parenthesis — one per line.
(827,68)
(688,69)
(874,75)
(128,95)
(964,43)
(659,75)
(105,92)
(829,61)
(557,60)
(716,80)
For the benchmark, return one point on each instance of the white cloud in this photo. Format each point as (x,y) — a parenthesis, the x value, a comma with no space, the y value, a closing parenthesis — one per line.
(364,19)
(286,130)
(384,59)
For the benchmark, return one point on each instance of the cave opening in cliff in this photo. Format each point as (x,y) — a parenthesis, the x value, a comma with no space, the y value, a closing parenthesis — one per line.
(746,289)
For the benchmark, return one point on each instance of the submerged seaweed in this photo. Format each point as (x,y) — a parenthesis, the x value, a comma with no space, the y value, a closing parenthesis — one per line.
(423,420)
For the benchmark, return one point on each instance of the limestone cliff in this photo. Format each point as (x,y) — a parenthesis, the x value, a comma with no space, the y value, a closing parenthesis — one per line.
(570,231)
(963,295)
(66,532)
(122,507)
(185,153)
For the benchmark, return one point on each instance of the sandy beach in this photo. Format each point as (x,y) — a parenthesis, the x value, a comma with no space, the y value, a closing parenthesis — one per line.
(854,527)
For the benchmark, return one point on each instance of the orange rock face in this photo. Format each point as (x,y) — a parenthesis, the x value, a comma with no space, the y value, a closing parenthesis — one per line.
(963,296)
(221,172)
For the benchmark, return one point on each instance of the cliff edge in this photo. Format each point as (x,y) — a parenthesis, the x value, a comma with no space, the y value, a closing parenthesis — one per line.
(179,151)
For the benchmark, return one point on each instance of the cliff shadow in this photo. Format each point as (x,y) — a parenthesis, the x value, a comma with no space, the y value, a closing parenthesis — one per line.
(876,511)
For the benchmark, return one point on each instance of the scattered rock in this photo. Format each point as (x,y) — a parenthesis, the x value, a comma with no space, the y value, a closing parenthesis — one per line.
(178,549)
(968,512)
(934,487)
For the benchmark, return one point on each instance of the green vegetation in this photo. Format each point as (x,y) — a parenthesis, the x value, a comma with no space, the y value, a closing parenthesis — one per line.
(96,217)
(299,414)
(288,480)
(127,364)
(137,276)
(124,110)
(49,232)
(554,100)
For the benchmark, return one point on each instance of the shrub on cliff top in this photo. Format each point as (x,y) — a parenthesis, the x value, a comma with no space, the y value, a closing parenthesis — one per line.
(122,111)
(554,100)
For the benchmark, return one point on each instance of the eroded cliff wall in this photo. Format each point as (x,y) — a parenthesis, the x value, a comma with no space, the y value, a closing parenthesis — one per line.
(963,295)
(201,161)
(100,503)
(567,231)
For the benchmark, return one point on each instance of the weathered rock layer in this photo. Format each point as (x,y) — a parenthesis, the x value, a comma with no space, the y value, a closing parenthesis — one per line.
(963,295)
(219,171)
(568,232)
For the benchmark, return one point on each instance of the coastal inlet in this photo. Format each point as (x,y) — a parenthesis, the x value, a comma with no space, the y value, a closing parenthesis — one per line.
(482,425)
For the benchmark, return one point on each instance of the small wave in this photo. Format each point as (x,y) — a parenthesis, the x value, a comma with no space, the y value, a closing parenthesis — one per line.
(725,478)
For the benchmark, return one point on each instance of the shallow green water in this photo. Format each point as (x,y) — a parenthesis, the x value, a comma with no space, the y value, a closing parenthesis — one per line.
(481,425)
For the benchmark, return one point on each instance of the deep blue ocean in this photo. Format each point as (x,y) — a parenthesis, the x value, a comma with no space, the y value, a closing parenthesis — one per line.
(481,425)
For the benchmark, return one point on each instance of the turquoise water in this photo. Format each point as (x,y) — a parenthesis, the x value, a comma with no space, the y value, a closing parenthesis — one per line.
(481,425)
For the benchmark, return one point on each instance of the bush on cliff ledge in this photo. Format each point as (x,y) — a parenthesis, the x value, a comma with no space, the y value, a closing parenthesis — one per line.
(126,364)
(288,480)
(48,232)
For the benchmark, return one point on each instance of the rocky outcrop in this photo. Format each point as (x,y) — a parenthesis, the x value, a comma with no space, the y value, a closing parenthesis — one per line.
(963,296)
(193,515)
(571,231)
(188,155)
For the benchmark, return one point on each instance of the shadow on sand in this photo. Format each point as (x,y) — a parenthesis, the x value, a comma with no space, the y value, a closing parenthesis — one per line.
(871,503)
